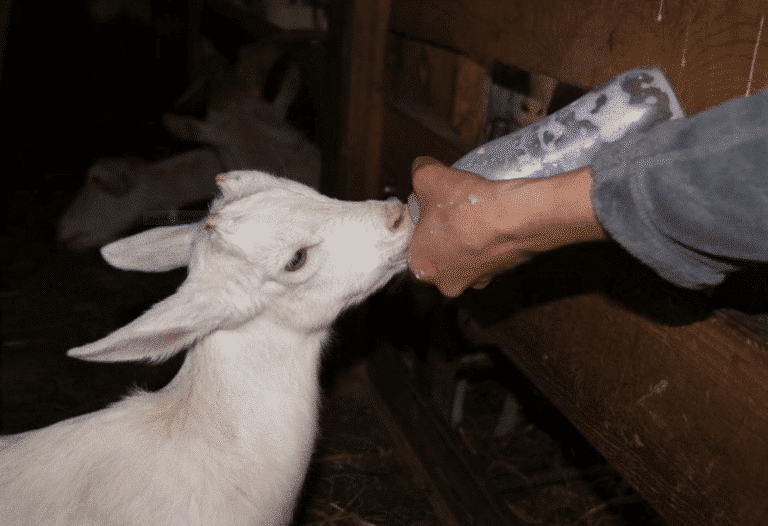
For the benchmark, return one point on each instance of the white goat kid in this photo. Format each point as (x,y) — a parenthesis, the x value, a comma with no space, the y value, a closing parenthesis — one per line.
(228,440)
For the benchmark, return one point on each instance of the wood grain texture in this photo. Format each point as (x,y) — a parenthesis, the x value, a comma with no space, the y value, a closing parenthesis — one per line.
(706,48)
(352,158)
(681,409)
(435,102)
(470,100)
(409,133)
(681,412)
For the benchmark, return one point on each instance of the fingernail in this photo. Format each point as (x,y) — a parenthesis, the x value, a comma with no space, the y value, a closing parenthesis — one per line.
(421,162)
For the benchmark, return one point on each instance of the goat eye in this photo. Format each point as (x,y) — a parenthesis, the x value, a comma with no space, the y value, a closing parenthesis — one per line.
(297,261)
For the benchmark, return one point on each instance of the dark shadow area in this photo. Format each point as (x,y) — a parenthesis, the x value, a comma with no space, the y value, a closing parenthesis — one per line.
(589,268)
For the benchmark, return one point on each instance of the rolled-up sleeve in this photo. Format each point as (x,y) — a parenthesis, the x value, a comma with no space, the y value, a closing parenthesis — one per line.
(689,198)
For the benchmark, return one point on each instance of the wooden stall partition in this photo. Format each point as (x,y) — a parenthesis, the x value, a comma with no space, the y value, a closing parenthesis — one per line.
(434,105)
(711,51)
(679,410)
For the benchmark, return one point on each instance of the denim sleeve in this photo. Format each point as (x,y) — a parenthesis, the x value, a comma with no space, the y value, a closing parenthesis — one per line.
(689,198)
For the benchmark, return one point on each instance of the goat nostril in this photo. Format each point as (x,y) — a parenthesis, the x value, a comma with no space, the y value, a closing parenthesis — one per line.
(398,221)
(395,212)
(210,222)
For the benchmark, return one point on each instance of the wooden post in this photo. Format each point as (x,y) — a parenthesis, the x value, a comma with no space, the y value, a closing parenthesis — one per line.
(5,19)
(352,157)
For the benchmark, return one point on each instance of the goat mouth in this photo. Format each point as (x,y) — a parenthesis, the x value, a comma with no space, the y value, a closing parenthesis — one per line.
(398,221)
(399,261)
(395,214)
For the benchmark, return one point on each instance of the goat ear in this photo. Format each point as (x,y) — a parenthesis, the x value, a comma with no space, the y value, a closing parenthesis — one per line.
(288,92)
(168,327)
(183,126)
(156,250)
(114,175)
(238,183)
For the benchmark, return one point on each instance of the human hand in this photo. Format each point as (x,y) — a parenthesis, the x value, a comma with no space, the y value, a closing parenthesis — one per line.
(471,229)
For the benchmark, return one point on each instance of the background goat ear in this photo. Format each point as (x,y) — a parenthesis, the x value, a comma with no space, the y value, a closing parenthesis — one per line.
(156,250)
(238,183)
(168,327)
(184,127)
(288,92)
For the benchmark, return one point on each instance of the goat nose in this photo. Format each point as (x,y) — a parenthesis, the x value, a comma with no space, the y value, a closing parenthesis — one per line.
(394,212)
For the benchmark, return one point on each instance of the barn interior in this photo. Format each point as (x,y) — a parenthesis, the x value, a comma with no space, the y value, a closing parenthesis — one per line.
(435,411)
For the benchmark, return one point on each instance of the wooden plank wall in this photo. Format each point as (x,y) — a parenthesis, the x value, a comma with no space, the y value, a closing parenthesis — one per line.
(710,50)
(680,411)
(435,102)
(706,48)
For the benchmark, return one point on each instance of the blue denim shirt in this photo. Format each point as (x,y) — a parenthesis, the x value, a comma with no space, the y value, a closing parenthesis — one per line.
(689,198)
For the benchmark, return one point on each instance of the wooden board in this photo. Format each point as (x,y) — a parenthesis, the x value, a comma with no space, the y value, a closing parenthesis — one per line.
(681,412)
(435,103)
(351,159)
(439,85)
(673,393)
(406,137)
(707,49)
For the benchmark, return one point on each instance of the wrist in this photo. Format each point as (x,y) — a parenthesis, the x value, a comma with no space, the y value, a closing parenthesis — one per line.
(537,215)
(572,200)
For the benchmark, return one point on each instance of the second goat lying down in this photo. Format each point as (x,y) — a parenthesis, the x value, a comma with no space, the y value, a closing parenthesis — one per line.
(118,192)
(239,133)
(228,440)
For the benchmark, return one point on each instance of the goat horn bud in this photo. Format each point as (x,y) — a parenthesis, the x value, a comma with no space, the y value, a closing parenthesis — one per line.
(210,221)
(222,180)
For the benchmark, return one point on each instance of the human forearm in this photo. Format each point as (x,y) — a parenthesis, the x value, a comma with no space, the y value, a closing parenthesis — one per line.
(689,197)
(549,213)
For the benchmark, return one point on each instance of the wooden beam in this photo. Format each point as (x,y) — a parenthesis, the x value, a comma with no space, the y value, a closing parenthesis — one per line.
(709,50)
(6,7)
(680,410)
(351,160)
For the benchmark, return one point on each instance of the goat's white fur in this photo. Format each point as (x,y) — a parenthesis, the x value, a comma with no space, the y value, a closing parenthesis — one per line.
(228,440)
